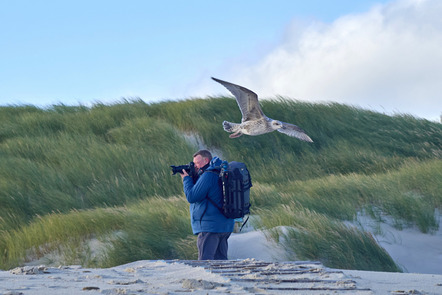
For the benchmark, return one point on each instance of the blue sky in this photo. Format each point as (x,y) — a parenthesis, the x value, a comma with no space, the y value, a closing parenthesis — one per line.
(83,52)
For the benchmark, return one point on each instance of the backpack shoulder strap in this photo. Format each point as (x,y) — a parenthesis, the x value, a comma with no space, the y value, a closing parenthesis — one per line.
(208,198)
(219,183)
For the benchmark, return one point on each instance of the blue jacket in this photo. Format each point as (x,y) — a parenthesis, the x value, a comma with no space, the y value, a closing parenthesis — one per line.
(204,216)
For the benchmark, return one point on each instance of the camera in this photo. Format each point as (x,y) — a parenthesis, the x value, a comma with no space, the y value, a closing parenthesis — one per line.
(189,168)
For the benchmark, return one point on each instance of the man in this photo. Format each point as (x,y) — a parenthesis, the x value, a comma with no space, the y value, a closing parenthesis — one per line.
(211,226)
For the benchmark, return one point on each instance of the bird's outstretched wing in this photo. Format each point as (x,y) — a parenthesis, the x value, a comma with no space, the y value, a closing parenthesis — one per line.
(247,100)
(295,131)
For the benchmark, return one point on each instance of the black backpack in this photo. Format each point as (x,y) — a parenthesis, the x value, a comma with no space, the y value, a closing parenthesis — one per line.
(236,183)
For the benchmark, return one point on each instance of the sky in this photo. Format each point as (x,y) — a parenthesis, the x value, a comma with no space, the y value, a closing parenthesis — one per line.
(380,55)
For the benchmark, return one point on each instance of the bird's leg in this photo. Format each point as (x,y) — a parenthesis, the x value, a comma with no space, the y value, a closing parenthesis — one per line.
(236,134)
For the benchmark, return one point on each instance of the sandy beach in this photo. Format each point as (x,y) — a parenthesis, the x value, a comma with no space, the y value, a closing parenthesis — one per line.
(257,266)
(247,276)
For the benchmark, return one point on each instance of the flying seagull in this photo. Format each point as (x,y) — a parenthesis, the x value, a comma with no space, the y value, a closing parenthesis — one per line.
(254,122)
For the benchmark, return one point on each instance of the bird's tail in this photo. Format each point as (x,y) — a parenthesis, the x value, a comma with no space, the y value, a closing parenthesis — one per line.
(233,128)
(230,127)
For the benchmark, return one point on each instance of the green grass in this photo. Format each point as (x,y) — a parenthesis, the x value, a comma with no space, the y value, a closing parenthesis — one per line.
(409,194)
(130,233)
(154,229)
(312,236)
(56,231)
(103,172)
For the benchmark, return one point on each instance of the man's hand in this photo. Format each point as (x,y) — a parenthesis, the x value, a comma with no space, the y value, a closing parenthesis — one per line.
(184,174)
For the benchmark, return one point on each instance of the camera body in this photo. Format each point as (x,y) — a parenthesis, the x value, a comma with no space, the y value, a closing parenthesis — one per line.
(189,168)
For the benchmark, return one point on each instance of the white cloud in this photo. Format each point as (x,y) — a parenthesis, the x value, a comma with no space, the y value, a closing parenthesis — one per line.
(388,59)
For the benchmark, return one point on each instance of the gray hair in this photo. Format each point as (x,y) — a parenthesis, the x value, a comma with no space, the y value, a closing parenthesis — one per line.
(204,154)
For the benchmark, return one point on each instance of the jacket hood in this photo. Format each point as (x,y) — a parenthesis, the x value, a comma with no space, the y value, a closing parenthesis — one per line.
(215,164)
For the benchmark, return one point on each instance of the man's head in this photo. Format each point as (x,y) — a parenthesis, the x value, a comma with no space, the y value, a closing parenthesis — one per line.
(201,158)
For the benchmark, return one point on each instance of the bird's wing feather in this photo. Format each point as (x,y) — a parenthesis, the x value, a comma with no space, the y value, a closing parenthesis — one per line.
(247,100)
(295,131)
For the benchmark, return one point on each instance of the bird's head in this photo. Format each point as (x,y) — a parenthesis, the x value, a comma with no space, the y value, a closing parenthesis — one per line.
(276,124)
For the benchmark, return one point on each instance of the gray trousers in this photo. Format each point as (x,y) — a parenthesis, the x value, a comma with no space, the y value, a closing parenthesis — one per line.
(212,246)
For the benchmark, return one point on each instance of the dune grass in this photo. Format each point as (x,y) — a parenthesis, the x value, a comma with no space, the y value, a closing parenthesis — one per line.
(409,194)
(64,171)
(313,212)
(103,171)
(57,232)
(312,236)
(146,229)
(157,228)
